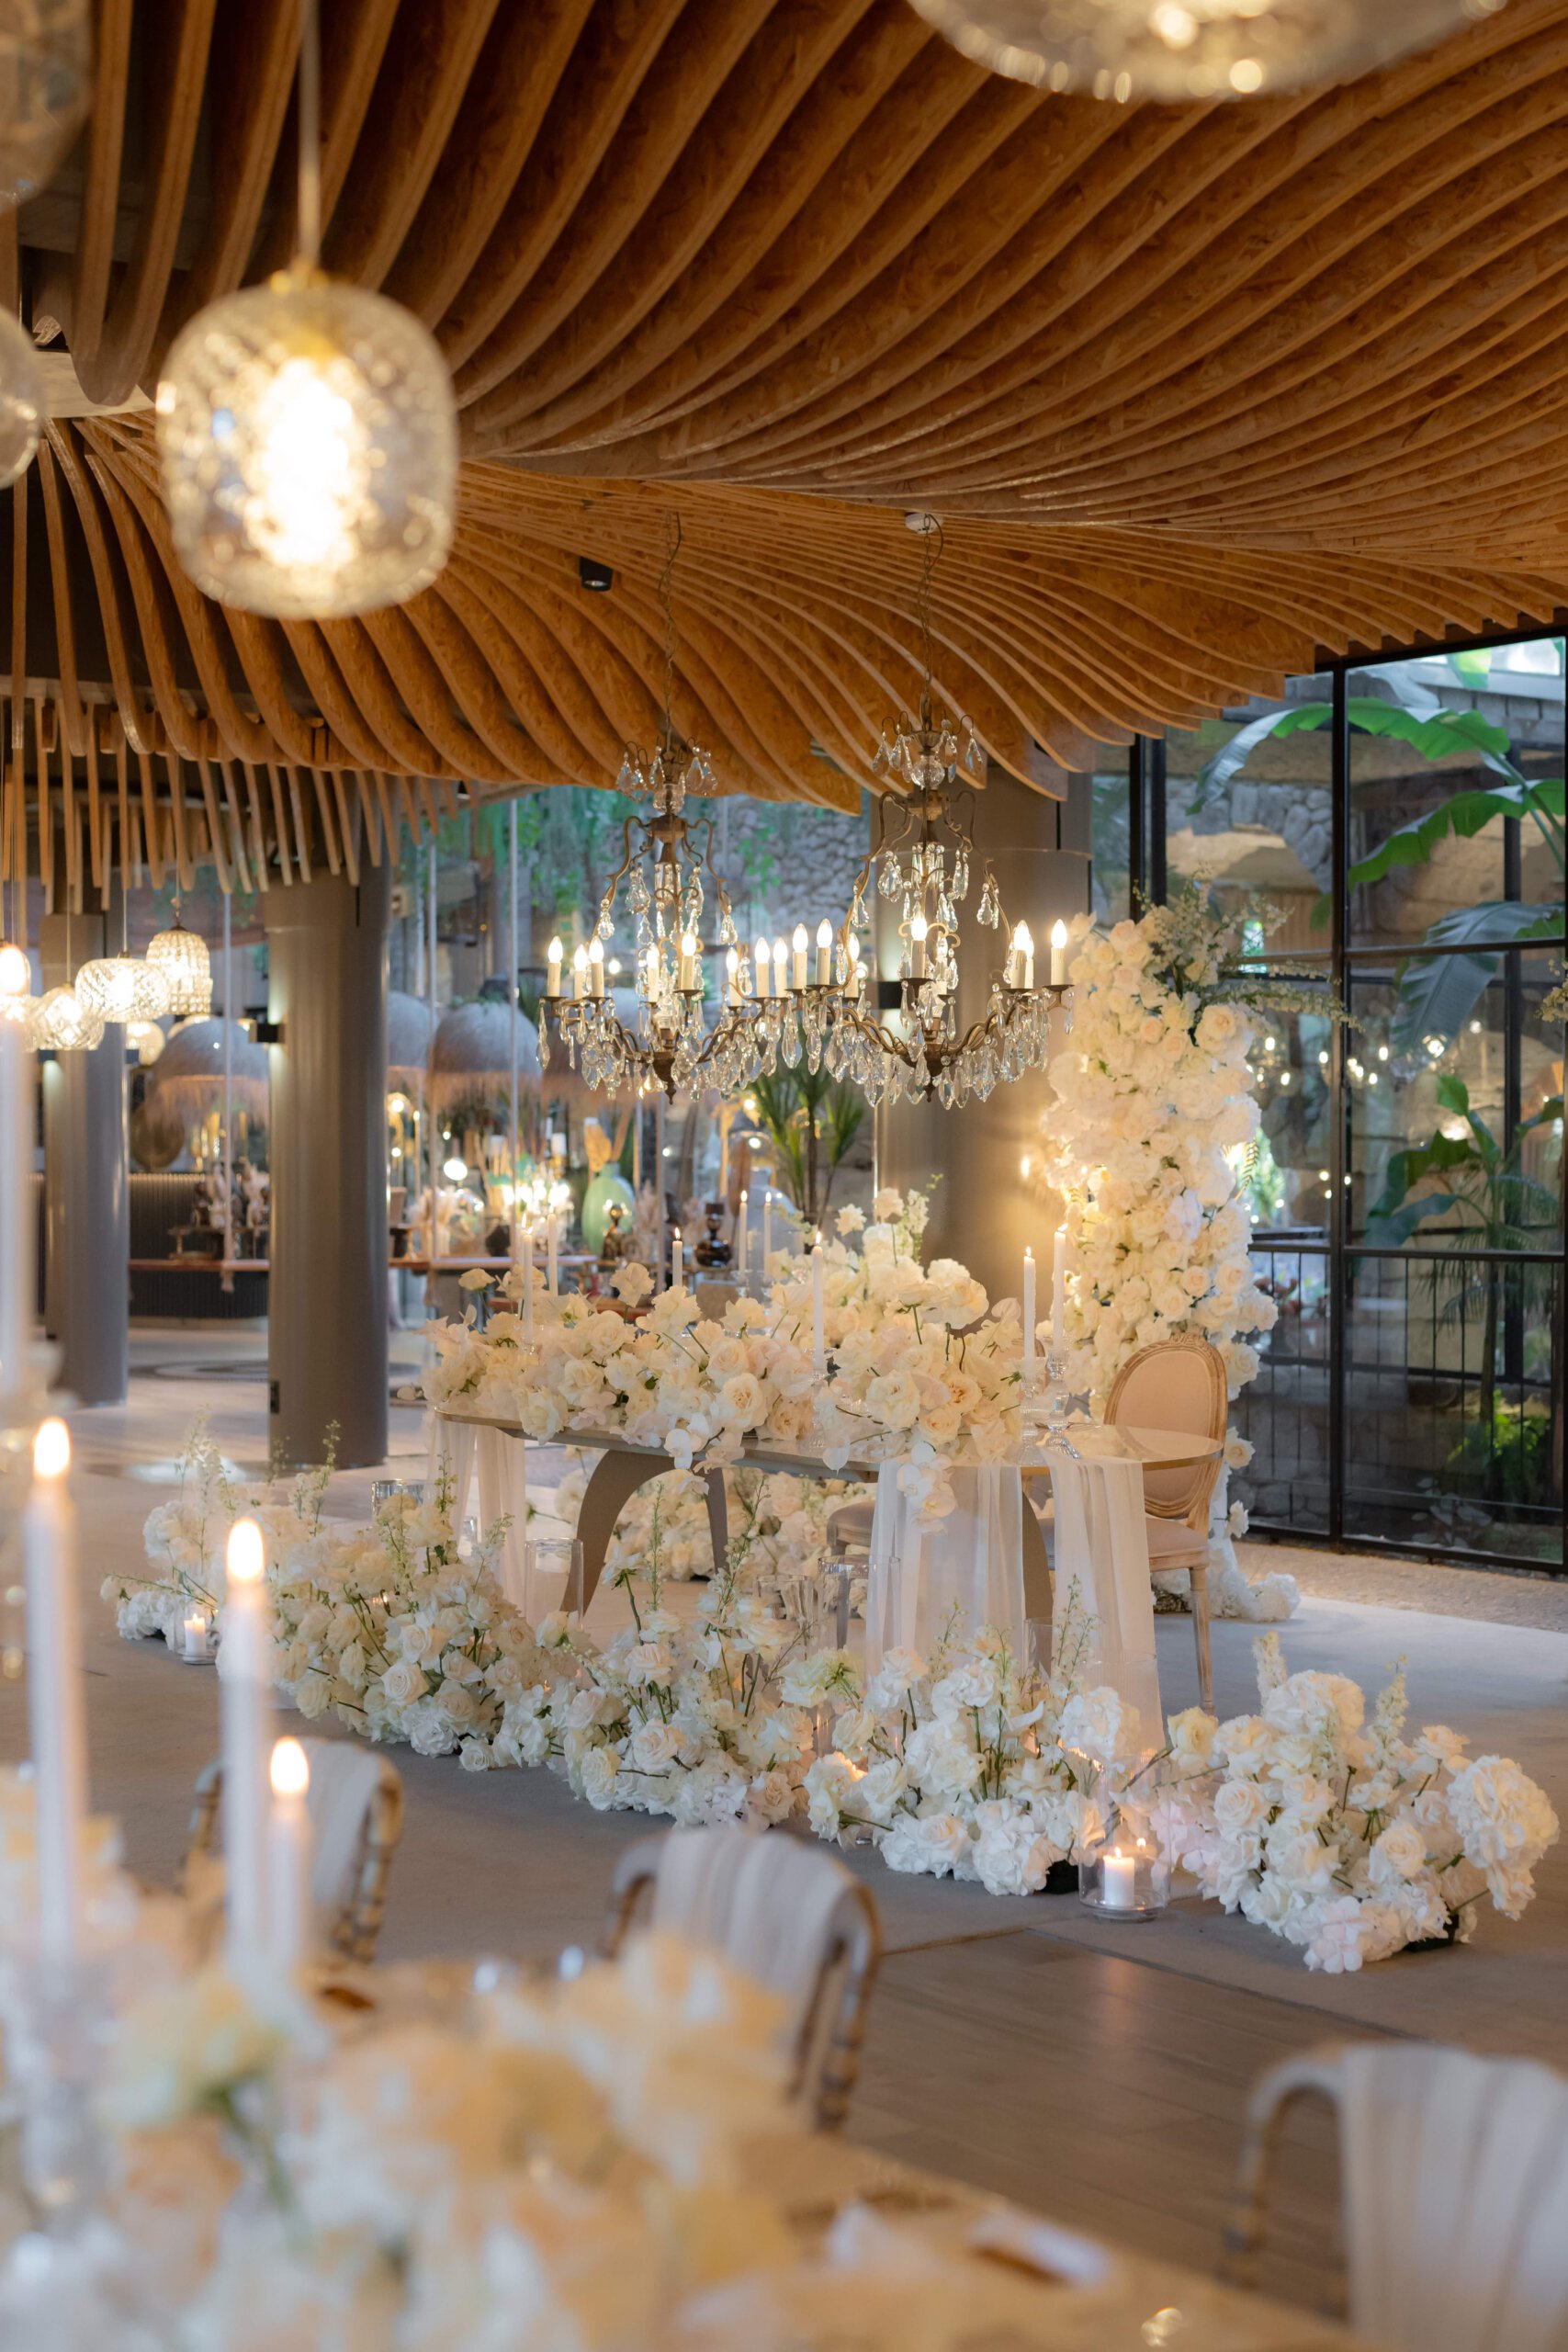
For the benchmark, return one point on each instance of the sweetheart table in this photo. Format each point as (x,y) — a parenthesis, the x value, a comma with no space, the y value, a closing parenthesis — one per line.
(986,1560)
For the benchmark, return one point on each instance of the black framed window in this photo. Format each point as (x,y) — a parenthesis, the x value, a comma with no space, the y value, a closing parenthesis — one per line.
(1407,816)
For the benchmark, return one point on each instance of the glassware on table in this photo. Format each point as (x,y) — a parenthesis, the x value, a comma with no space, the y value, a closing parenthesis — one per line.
(552,1578)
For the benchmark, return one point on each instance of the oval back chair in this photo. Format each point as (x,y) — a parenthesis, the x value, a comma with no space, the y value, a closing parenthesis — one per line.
(355,1808)
(783,1912)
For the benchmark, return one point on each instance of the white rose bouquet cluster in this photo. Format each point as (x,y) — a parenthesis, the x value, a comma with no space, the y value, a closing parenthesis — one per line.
(560,2164)
(1345,1837)
(923,1372)
(394,1631)
(972,1766)
(184,1542)
(785,1519)
(1154,1112)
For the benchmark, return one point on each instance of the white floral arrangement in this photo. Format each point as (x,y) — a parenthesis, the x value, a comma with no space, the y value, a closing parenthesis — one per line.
(1345,1837)
(786,1518)
(972,1764)
(561,2163)
(1155,1109)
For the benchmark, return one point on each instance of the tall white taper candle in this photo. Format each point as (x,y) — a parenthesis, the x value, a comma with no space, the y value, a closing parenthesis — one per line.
(767,1229)
(289,1857)
(1059,1290)
(244,1662)
(740,1232)
(1031,1312)
(57,1726)
(818,1323)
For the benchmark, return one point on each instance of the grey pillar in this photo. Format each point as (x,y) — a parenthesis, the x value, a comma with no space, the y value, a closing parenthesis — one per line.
(327,1295)
(984,1211)
(86,1187)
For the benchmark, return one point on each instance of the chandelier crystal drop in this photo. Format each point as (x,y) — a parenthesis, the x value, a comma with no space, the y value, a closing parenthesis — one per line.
(46,57)
(21,400)
(1179,49)
(182,957)
(308,432)
(122,987)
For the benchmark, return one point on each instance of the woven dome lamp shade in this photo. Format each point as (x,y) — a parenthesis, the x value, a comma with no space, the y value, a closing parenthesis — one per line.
(182,957)
(188,1073)
(470,1059)
(410,1024)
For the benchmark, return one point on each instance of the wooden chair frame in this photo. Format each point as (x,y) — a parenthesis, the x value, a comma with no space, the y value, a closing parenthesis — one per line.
(358,1927)
(1315,2074)
(824,2064)
(1194,1506)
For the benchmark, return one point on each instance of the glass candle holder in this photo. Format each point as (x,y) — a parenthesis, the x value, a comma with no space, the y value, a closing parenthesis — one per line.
(195,1637)
(552,1578)
(1122,1874)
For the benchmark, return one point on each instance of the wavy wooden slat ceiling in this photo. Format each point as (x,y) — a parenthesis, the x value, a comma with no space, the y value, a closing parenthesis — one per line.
(1196,391)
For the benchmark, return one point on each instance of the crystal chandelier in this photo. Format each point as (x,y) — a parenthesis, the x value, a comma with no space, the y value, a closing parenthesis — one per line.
(182,957)
(923,859)
(666,868)
(307,431)
(1192,49)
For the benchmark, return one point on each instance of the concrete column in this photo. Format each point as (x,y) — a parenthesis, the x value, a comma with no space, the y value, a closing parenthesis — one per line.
(86,1186)
(985,1211)
(327,1295)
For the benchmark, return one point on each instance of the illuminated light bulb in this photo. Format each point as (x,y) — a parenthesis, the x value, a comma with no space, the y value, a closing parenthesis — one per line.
(1118,50)
(309,440)
(45,62)
(454,1170)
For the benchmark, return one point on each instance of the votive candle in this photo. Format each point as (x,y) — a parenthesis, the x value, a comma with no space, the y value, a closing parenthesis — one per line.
(57,1722)
(1119,1882)
(246,1734)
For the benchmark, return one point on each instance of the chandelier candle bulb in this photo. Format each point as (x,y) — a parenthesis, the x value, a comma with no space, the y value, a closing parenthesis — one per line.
(578,974)
(824,953)
(798,968)
(688,961)
(288,1856)
(1058,955)
(917,931)
(781,968)
(763,988)
(596,969)
(1031,1311)
(1058,1290)
(1024,951)
(56,1723)
(245,1673)
(732,976)
(552,969)
(818,1304)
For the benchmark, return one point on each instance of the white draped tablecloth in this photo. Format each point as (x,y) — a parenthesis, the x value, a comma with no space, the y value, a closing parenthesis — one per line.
(966,1571)
(500,1461)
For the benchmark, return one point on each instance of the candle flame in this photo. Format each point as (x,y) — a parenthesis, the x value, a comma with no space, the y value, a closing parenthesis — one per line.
(291,1769)
(1058,934)
(51,1450)
(247,1554)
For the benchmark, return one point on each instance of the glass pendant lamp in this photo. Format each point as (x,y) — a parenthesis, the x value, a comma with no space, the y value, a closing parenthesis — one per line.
(307,431)
(182,957)
(46,54)
(1192,49)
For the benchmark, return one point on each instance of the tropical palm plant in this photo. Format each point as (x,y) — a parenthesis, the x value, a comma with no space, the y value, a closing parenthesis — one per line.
(1488,1203)
(810,1119)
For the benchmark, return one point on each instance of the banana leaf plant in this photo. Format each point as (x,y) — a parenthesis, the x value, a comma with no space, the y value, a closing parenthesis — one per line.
(810,1119)
(1480,1190)
(1436,993)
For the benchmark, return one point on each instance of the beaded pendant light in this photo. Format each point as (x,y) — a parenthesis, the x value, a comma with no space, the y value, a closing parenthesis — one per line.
(307,431)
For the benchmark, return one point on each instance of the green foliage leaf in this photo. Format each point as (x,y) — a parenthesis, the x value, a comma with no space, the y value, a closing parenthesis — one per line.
(1437,994)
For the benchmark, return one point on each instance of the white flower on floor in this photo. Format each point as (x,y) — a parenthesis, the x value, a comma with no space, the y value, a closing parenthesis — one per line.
(1338,1834)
